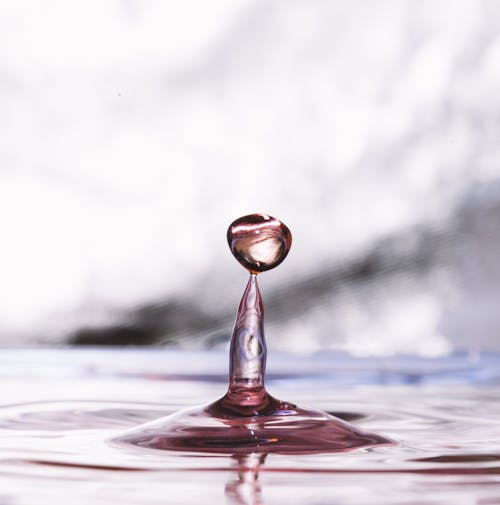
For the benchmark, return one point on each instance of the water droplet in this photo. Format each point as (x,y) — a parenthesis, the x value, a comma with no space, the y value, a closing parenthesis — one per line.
(259,242)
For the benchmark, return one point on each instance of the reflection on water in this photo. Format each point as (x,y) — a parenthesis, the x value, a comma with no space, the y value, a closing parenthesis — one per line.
(56,424)
(246,489)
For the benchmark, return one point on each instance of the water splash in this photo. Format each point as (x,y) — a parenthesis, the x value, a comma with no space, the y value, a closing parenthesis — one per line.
(247,419)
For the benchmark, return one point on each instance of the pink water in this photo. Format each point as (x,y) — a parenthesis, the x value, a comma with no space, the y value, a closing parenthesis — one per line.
(247,419)
(60,410)
(123,427)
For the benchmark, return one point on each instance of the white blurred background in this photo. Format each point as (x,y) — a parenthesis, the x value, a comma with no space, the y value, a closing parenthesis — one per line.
(133,132)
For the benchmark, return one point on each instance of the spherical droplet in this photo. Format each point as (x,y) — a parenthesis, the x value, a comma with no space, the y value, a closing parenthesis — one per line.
(259,242)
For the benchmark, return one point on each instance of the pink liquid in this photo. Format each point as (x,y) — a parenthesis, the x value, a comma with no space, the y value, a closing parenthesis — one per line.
(247,419)
(60,408)
(259,242)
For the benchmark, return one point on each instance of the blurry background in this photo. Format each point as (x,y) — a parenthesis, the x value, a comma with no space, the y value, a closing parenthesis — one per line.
(133,132)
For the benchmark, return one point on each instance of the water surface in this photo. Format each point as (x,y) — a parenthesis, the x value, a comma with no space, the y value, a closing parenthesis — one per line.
(60,409)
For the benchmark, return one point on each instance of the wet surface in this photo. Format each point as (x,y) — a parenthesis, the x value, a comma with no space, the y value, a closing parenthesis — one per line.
(60,411)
